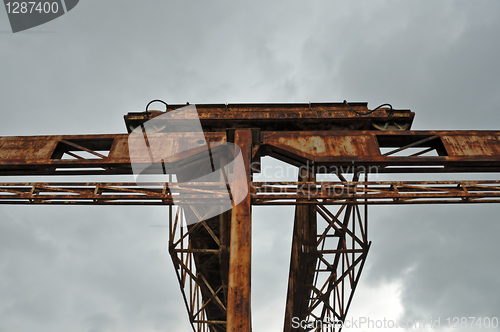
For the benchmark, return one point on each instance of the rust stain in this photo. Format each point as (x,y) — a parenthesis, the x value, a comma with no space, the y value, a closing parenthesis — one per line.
(472,145)
(311,144)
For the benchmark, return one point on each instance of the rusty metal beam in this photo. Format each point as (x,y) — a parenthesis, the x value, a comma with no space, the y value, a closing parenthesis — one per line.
(409,151)
(377,192)
(262,193)
(239,290)
(88,154)
(302,259)
(286,117)
(329,151)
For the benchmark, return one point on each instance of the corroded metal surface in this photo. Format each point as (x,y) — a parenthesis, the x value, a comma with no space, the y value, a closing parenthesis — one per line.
(240,251)
(302,258)
(407,152)
(377,192)
(342,248)
(388,152)
(262,193)
(286,117)
(212,257)
(87,154)
(195,251)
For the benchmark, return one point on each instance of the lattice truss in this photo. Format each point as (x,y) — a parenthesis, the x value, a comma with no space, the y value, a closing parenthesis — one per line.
(342,247)
(329,249)
(263,193)
(198,252)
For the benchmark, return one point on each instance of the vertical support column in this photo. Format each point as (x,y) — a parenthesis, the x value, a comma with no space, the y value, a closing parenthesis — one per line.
(302,259)
(224,239)
(238,306)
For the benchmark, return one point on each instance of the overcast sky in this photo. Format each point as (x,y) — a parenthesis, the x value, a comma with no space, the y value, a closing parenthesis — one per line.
(100,269)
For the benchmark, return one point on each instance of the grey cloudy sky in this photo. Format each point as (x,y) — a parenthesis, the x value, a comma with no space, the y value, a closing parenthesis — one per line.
(102,269)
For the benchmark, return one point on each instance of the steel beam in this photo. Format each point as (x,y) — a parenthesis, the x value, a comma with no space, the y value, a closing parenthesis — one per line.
(89,154)
(239,294)
(262,193)
(302,259)
(386,152)
(285,117)
(325,151)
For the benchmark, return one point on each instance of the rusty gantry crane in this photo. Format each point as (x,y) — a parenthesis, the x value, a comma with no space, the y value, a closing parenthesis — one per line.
(212,257)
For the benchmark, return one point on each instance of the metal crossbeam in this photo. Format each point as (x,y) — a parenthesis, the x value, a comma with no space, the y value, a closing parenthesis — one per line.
(262,193)
(324,151)
(377,192)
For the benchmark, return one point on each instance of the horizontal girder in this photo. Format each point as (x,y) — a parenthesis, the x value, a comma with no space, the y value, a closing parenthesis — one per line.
(387,152)
(325,151)
(84,154)
(286,117)
(262,193)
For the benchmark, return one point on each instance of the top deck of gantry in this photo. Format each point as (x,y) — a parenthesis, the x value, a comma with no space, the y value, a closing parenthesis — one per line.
(289,117)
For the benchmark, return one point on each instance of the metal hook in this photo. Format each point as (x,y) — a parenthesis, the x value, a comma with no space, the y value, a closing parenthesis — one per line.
(152,101)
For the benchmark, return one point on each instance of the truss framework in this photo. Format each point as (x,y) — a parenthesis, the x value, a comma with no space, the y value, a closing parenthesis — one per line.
(330,237)
(341,249)
(328,254)
(262,193)
(191,266)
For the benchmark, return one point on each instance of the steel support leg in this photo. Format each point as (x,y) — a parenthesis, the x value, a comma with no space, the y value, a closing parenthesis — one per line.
(238,306)
(302,260)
